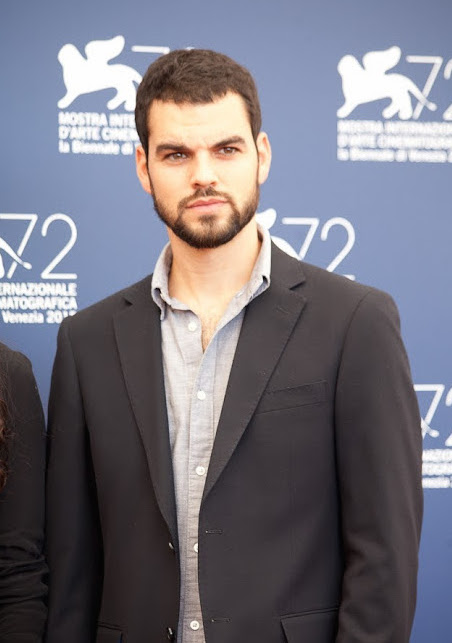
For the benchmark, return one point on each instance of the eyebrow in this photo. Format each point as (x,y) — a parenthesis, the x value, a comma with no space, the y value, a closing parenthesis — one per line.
(232,140)
(178,147)
(170,147)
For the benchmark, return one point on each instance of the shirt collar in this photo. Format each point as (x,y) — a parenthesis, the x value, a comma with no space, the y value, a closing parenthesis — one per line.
(258,282)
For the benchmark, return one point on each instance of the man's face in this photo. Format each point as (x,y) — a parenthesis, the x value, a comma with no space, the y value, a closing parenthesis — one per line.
(204,168)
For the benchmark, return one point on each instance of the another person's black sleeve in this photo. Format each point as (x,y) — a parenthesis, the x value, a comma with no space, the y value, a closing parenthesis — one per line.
(22,566)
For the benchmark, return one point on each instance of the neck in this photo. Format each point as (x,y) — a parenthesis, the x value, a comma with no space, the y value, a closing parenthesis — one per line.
(210,277)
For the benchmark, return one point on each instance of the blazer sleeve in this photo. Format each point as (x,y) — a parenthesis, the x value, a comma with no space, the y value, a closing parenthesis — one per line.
(73,532)
(379,455)
(23,570)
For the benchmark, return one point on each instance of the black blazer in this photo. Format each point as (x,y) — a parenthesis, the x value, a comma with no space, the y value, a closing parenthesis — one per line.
(310,519)
(22,568)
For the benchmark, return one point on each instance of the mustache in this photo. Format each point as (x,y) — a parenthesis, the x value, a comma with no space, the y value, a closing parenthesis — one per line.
(203,193)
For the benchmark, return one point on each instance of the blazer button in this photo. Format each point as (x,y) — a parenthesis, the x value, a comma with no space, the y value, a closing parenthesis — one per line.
(170,634)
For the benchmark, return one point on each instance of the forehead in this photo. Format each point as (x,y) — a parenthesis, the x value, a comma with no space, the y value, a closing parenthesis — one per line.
(188,122)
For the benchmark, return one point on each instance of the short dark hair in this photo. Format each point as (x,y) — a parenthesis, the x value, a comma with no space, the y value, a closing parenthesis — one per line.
(194,76)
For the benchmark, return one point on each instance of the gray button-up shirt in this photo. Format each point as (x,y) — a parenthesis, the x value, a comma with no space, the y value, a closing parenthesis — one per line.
(195,384)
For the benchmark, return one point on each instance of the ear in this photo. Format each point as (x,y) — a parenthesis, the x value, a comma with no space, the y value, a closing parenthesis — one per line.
(264,155)
(142,169)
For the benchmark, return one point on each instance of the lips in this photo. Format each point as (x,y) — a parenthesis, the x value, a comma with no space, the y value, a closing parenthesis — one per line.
(200,203)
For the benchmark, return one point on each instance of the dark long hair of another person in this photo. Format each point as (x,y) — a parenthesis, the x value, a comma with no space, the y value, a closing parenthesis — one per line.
(3,437)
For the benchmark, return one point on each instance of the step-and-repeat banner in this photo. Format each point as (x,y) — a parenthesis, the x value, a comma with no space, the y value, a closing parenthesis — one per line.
(357,102)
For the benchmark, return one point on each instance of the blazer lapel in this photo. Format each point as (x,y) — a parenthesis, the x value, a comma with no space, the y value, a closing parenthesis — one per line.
(138,336)
(268,323)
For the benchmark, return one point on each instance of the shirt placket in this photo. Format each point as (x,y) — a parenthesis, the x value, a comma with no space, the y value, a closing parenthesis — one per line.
(182,366)
(201,429)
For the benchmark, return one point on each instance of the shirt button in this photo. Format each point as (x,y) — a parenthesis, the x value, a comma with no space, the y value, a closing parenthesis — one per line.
(195,547)
(192,326)
(194,625)
(201,395)
(200,470)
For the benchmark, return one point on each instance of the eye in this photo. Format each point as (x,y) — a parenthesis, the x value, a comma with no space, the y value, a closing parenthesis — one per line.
(175,156)
(228,150)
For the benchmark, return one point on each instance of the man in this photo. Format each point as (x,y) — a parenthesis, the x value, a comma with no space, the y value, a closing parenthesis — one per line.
(234,451)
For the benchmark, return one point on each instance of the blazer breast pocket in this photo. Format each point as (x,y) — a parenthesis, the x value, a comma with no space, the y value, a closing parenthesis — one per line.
(109,634)
(319,626)
(287,398)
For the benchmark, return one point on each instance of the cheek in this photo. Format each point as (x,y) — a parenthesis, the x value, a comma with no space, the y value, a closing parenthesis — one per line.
(167,186)
(246,185)
(242,177)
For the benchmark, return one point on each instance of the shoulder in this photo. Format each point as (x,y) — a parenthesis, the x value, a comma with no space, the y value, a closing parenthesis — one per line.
(15,367)
(115,302)
(322,288)
(333,301)
(340,290)
(367,318)
(18,388)
(98,315)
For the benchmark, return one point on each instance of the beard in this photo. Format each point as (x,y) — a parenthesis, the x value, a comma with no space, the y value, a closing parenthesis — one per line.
(208,232)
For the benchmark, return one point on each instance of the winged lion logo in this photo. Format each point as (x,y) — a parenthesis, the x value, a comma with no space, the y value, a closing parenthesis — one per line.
(369,82)
(85,75)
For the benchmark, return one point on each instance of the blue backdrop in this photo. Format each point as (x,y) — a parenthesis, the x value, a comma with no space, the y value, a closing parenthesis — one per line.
(356,99)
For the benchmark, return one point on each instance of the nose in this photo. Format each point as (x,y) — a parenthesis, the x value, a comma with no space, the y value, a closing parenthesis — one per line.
(203,171)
